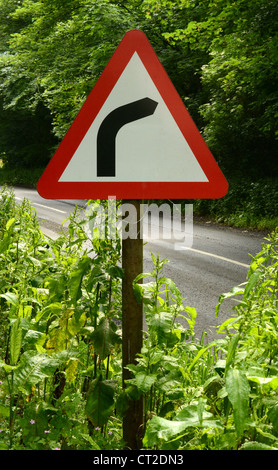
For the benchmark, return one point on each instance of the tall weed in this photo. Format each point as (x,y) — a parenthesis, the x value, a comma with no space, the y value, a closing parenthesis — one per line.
(60,347)
(60,343)
(233,405)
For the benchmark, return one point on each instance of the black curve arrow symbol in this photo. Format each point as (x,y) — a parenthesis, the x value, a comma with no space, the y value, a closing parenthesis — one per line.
(110,126)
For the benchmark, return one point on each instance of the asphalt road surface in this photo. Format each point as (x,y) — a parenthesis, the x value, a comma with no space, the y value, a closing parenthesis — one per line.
(217,261)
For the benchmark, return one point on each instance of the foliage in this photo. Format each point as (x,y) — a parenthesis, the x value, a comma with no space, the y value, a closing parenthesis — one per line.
(228,398)
(60,353)
(221,57)
(47,69)
(232,49)
(248,204)
(59,339)
(23,177)
(241,77)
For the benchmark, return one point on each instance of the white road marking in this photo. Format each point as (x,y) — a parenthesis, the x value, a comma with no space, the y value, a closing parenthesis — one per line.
(205,253)
(219,257)
(44,206)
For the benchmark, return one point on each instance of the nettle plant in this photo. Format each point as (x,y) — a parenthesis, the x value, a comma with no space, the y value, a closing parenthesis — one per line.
(224,394)
(60,348)
(60,307)
(159,374)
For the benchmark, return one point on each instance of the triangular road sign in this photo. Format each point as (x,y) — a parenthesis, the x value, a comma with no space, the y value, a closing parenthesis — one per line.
(133,138)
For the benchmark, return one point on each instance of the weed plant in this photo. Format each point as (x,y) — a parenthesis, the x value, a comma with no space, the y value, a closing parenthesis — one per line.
(60,348)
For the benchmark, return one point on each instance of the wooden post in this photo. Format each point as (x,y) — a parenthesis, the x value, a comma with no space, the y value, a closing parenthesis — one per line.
(132,326)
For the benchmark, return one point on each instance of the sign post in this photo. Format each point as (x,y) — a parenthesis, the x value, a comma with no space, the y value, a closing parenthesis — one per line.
(132,326)
(133,138)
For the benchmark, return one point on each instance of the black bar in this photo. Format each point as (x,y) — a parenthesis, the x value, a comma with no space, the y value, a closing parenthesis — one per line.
(110,126)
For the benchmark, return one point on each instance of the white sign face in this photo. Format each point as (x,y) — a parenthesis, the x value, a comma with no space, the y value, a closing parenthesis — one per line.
(148,149)
(133,138)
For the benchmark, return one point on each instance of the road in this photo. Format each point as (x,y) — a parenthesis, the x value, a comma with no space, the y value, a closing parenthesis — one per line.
(217,261)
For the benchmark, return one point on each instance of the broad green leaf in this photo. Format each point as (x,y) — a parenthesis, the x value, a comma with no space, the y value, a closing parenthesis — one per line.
(104,338)
(15,341)
(32,369)
(141,276)
(161,429)
(200,354)
(143,292)
(238,290)
(10,297)
(49,311)
(256,262)
(168,384)
(115,272)
(254,445)
(266,382)
(238,389)
(56,285)
(10,223)
(75,323)
(229,323)
(34,338)
(100,402)
(191,414)
(143,381)
(79,270)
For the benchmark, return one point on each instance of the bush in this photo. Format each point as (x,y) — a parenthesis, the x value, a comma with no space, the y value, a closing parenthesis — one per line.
(22,177)
(247,204)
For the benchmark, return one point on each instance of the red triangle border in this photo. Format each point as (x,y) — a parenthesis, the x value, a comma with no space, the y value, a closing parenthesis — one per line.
(49,186)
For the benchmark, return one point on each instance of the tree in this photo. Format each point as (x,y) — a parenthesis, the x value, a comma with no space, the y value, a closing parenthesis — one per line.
(25,126)
(63,51)
(241,114)
(220,54)
(227,74)
(237,97)
(54,53)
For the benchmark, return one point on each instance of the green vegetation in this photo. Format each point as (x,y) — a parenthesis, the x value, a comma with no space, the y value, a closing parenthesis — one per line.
(60,348)
(248,204)
(58,333)
(60,301)
(221,55)
(23,177)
